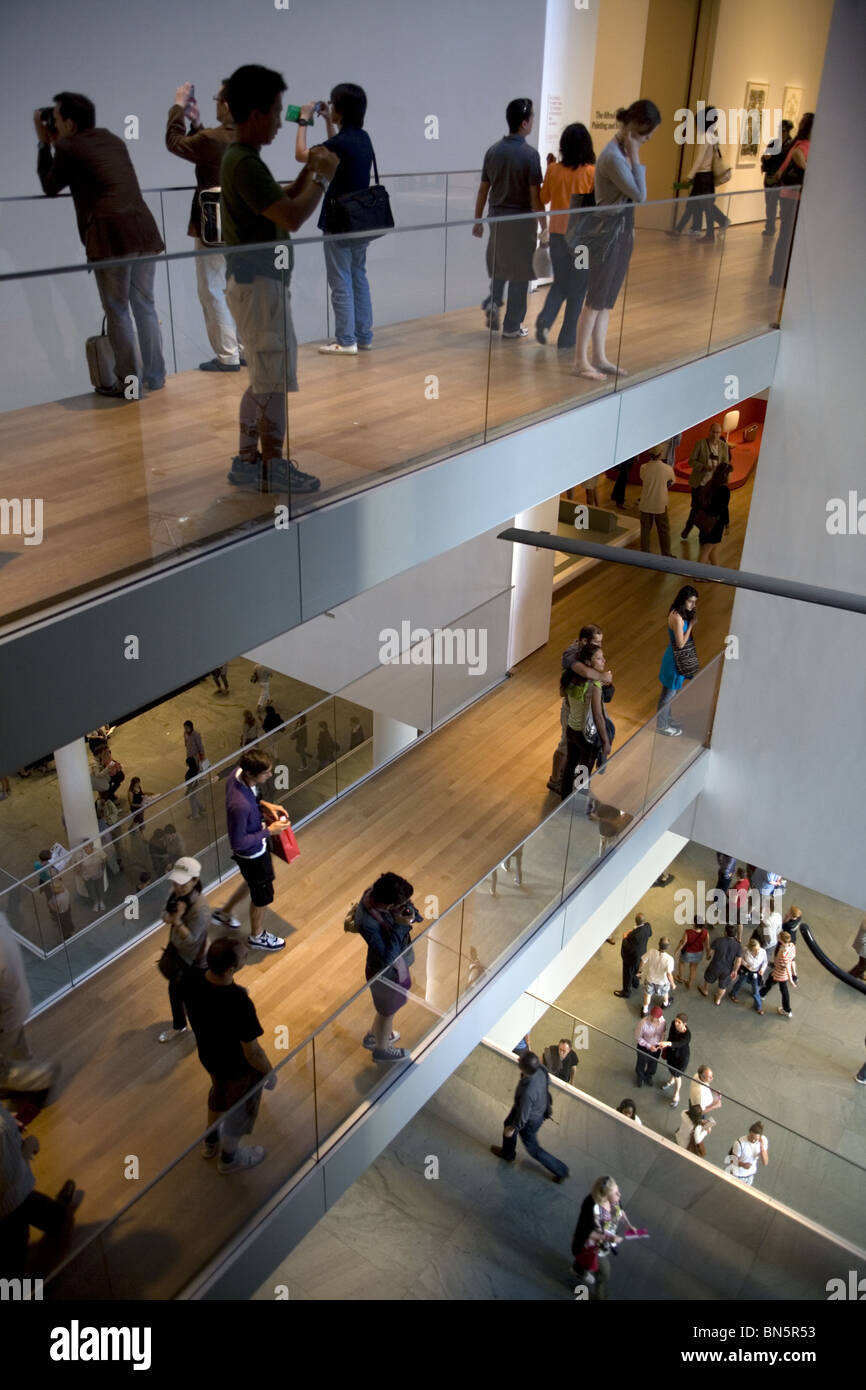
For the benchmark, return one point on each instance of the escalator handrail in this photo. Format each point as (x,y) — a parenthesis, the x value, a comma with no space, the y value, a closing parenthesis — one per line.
(828,964)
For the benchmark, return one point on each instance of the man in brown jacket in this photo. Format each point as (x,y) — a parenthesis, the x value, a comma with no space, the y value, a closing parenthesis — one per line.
(705,457)
(204,147)
(113,221)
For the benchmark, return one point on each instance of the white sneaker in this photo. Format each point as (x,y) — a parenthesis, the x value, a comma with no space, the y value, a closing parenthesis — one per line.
(520,332)
(171,1033)
(335,350)
(861,1080)
(671,731)
(370,1041)
(389,1054)
(225,919)
(784,1012)
(244,1158)
(266,941)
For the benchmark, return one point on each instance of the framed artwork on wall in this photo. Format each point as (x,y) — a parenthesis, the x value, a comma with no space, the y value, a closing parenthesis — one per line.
(791,103)
(750,133)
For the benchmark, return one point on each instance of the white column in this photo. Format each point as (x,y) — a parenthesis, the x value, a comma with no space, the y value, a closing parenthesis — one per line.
(532,578)
(77,797)
(390,736)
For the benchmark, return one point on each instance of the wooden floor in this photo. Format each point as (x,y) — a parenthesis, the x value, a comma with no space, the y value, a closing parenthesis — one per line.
(443,815)
(123,486)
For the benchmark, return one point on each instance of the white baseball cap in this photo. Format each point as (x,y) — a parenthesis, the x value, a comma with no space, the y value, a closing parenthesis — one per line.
(185,871)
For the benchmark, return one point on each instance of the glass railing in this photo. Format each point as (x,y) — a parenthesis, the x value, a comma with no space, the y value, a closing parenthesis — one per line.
(801,1172)
(157,467)
(314,764)
(157,1243)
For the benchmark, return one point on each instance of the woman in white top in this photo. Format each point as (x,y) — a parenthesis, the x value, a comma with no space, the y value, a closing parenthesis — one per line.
(746,1153)
(693,1130)
(752,973)
(700,176)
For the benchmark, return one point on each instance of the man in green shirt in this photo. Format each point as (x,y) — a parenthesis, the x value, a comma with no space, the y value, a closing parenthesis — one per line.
(254,209)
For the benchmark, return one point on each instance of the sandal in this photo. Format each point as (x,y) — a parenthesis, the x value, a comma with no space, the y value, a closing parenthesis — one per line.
(704,992)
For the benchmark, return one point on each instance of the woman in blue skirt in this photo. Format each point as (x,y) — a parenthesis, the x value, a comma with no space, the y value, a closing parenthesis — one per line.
(682,620)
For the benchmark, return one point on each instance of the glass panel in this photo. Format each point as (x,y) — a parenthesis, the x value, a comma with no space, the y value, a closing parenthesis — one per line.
(747,303)
(472,654)
(692,711)
(803,1174)
(528,381)
(462,251)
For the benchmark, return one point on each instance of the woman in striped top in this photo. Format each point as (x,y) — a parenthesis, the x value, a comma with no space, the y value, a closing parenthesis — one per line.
(783,972)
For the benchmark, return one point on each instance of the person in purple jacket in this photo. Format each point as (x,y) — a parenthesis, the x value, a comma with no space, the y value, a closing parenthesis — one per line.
(251,847)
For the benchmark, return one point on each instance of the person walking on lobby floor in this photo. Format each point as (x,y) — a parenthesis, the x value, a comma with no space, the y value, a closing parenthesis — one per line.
(595,1236)
(250,841)
(255,208)
(746,1153)
(21,1206)
(657,974)
(751,973)
(196,763)
(572,175)
(632,951)
(511,178)
(701,1092)
(783,973)
(677,1056)
(532,1106)
(713,516)
(227,1031)
(704,459)
(694,1128)
(204,146)
(726,958)
(188,915)
(682,621)
(694,944)
(650,1039)
(384,918)
(114,222)
(657,477)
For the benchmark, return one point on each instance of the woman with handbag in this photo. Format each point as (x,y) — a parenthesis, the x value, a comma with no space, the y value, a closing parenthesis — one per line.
(595,1235)
(620,181)
(680,661)
(384,918)
(570,177)
(586,722)
(345,260)
(789,177)
(188,915)
(711,516)
(707,171)
(693,1130)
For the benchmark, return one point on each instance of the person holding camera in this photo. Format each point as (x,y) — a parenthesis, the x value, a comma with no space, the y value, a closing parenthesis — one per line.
(113,221)
(227,1031)
(255,208)
(204,146)
(345,260)
(384,918)
(188,914)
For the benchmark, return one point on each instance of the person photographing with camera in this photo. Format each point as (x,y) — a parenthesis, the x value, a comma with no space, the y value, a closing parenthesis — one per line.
(254,208)
(113,221)
(345,260)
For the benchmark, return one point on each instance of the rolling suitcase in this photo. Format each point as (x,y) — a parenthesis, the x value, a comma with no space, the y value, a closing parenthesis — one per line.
(100,361)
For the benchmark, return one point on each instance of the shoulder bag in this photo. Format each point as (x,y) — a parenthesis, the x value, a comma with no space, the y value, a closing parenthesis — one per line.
(720,170)
(686,659)
(171,962)
(598,232)
(366,210)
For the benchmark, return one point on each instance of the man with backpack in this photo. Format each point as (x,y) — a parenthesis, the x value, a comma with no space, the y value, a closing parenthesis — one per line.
(532,1106)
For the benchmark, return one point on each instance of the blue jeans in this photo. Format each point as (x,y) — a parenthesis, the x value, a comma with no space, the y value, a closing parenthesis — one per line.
(663,719)
(752,978)
(125,288)
(346,265)
(569,288)
(516,310)
(530,1142)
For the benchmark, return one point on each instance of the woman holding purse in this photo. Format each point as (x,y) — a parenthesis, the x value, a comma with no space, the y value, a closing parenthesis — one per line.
(682,620)
(384,918)
(595,1235)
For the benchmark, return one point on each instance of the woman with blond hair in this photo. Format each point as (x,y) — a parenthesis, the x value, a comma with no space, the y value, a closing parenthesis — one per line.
(595,1235)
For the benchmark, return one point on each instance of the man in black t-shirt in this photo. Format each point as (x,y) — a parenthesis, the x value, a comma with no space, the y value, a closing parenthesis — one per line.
(560,1059)
(227,1029)
(345,261)
(632,951)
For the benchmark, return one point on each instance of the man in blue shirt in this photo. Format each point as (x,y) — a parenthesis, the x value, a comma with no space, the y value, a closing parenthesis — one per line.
(511,178)
(345,261)
(249,838)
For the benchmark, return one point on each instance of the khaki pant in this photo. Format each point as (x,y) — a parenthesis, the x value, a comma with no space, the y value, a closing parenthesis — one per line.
(262,311)
(663,527)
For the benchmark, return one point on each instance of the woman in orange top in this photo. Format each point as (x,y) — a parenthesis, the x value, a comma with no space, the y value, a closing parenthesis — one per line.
(573,172)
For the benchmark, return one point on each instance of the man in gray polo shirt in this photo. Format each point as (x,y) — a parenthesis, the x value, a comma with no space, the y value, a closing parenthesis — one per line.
(511,178)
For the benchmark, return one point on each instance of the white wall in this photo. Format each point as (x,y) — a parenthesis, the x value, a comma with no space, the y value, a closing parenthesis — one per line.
(781,42)
(789,744)
(569,63)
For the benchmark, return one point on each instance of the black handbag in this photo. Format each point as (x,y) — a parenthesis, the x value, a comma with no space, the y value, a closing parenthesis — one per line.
(686,659)
(598,232)
(367,210)
(171,962)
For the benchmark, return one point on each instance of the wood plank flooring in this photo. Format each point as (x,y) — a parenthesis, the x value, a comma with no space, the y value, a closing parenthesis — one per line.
(126,485)
(443,815)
